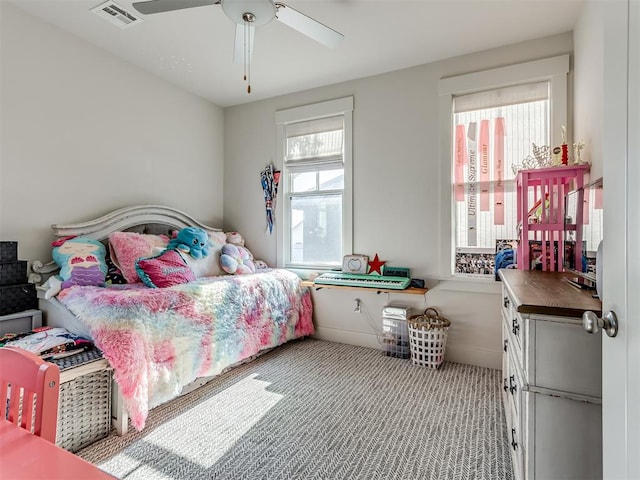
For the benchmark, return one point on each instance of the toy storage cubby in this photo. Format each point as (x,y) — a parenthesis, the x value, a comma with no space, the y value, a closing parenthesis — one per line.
(541,213)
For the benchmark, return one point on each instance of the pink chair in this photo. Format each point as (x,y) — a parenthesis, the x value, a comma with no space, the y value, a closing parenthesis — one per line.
(29,390)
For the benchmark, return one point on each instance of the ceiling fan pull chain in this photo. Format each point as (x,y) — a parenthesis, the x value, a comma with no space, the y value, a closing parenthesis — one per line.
(244,49)
(247,50)
(248,19)
(249,75)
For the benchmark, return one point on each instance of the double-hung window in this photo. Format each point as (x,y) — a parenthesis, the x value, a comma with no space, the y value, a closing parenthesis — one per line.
(315,146)
(494,132)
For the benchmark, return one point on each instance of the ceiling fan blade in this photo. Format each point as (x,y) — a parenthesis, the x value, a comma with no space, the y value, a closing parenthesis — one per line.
(241,43)
(308,26)
(159,6)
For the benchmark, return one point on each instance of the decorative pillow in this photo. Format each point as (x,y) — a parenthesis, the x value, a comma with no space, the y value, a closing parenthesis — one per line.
(164,270)
(126,247)
(208,266)
(236,260)
(81,261)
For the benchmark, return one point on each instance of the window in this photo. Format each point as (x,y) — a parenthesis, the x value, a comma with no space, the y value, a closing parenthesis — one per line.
(315,143)
(492,132)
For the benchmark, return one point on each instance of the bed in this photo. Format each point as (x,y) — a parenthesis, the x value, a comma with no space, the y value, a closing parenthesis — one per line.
(163,342)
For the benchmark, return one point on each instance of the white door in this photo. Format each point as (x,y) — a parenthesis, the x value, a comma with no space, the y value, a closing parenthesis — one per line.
(621,257)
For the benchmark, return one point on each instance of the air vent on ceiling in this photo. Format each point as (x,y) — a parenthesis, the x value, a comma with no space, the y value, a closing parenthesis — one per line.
(115,14)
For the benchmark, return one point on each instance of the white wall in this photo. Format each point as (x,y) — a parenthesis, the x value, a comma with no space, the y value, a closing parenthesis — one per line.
(82,133)
(588,107)
(397,211)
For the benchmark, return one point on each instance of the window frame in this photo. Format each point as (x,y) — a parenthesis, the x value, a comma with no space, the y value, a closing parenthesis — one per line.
(341,106)
(555,70)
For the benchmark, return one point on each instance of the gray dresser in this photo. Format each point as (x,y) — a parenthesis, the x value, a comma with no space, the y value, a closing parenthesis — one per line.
(551,377)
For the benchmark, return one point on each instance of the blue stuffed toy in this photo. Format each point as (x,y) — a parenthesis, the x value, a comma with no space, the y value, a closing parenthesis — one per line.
(192,240)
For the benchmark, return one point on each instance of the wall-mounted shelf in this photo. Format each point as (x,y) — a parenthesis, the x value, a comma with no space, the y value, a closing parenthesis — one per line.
(410,290)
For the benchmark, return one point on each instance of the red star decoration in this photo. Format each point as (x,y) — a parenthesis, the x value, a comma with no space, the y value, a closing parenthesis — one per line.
(375,265)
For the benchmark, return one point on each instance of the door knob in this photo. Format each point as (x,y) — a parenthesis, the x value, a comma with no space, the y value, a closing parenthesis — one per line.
(608,322)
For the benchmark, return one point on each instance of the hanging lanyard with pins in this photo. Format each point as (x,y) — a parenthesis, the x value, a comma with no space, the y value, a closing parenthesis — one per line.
(270,178)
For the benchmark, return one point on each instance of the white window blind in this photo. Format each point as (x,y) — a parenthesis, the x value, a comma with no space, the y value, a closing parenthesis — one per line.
(501,97)
(315,144)
(493,131)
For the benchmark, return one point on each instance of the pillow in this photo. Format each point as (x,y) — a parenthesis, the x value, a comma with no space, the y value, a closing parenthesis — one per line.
(164,270)
(126,247)
(81,261)
(208,266)
(236,260)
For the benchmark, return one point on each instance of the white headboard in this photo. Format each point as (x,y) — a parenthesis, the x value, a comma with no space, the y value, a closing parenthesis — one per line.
(142,218)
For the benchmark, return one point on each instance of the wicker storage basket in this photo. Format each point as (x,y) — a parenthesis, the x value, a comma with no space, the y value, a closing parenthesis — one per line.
(428,338)
(84,412)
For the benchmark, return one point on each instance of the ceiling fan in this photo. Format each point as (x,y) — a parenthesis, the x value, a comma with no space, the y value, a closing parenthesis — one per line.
(248,14)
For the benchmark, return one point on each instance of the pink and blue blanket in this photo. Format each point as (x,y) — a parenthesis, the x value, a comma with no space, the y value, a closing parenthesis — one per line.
(158,340)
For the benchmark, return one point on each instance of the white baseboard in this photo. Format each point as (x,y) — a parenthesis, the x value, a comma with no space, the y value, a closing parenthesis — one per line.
(474,356)
(454,353)
(346,336)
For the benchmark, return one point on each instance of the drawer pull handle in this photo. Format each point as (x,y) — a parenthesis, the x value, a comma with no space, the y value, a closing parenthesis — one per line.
(506,342)
(514,444)
(515,326)
(506,302)
(505,388)
(513,386)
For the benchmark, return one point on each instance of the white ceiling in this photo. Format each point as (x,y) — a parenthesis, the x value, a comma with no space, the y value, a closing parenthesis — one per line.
(193,48)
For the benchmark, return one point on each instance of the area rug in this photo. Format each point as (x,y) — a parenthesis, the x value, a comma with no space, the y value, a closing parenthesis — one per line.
(313,409)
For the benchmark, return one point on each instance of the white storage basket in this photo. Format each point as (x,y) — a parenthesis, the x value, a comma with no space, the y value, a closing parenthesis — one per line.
(428,338)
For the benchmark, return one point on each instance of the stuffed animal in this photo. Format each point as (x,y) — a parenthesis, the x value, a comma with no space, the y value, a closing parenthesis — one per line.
(81,261)
(191,240)
(235,238)
(236,260)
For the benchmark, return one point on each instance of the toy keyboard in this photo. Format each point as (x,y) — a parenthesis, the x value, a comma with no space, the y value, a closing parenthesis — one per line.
(360,280)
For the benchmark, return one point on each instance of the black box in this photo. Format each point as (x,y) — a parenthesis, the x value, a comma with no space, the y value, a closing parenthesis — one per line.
(13,273)
(8,251)
(16,298)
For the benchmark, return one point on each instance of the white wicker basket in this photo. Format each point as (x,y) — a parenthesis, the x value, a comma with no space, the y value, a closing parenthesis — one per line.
(428,338)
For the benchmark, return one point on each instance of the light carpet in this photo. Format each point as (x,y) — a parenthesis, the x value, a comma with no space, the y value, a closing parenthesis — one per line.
(313,409)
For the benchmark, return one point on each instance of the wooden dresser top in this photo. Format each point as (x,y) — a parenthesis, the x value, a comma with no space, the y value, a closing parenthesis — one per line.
(548,293)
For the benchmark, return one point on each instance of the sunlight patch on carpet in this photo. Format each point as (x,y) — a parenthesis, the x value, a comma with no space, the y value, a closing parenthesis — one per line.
(201,435)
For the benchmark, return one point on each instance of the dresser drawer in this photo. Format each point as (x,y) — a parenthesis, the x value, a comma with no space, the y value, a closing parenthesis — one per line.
(565,357)
(566,438)
(516,328)
(516,446)
(515,385)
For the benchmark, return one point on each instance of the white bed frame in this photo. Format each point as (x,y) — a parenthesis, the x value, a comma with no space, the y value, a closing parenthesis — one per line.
(135,218)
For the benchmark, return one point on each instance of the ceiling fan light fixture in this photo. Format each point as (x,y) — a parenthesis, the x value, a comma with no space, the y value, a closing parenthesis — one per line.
(248,14)
(262,11)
